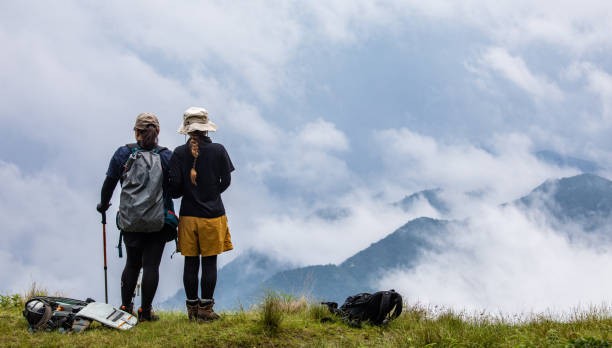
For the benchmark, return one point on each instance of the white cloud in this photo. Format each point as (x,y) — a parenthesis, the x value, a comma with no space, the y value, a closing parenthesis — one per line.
(46,237)
(323,135)
(514,69)
(500,261)
(505,173)
(351,21)
(304,238)
(252,41)
(599,83)
(307,160)
(515,24)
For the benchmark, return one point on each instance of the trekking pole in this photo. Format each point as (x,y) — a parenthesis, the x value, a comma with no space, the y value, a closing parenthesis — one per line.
(104,244)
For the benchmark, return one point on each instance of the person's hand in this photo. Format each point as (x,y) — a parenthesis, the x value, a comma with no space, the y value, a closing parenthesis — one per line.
(101,208)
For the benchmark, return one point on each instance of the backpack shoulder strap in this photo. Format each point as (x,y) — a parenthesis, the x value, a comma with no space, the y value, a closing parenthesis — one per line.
(133,147)
(396,299)
(384,308)
(390,306)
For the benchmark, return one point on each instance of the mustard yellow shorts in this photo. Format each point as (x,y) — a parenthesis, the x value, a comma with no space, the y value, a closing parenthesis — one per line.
(202,236)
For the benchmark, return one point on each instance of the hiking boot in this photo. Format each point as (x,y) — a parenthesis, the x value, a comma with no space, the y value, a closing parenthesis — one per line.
(146,315)
(192,309)
(206,312)
(128,309)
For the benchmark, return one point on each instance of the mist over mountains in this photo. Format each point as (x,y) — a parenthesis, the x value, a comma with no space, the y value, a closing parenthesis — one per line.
(578,207)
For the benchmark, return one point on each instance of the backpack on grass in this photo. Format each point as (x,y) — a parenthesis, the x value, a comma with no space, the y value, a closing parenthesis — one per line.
(377,308)
(52,313)
(45,313)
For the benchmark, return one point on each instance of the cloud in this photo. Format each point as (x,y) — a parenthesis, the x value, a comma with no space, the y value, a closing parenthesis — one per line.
(81,73)
(250,41)
(515,70)
(515,24)
(303,237)
(599,83)
(501,261)
(46,238)
(307,160)
(322,134)
(503,173)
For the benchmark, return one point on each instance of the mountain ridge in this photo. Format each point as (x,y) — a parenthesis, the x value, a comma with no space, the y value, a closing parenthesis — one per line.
(576,199)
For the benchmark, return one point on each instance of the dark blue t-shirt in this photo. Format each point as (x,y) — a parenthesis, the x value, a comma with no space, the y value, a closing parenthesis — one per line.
(120,157)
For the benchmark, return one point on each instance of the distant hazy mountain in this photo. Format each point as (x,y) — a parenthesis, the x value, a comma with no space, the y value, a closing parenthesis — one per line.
(567,161)
(575,204)
(400,249)
(432,196)
(584,200)
(238,281)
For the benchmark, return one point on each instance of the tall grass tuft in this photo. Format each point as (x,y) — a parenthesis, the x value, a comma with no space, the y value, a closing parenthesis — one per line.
(318,312)
(35,290)
(271,312)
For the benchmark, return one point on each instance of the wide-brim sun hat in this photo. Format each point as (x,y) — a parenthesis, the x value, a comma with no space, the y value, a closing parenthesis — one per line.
(196,119)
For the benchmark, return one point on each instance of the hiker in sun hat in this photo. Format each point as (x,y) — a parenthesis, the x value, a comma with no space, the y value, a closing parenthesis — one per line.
(200,171)
(144,247)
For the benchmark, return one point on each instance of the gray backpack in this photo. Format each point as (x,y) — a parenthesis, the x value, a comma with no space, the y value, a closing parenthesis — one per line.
(141,205)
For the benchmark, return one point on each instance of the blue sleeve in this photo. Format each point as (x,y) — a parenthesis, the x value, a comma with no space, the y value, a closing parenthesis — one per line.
(115,167)
(165,155)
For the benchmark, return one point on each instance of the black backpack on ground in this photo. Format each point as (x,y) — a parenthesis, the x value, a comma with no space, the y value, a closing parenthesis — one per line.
(47,313)
(378,308)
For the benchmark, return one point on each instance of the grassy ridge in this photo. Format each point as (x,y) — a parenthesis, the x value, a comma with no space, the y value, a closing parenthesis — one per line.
(285,322)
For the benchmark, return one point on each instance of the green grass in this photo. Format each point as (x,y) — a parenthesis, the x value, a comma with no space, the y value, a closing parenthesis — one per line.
(288,322)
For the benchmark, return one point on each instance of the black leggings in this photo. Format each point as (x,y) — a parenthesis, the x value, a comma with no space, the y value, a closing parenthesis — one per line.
(148,258)
(208,280)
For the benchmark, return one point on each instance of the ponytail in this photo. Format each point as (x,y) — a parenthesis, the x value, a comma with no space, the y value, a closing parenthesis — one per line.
(148,137)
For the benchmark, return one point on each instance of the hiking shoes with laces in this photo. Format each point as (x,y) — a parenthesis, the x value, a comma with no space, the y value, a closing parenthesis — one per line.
(192,309)
(206,312)
(128,309)
(147,315)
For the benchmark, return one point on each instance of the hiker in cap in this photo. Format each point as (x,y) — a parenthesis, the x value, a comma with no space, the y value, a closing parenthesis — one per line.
(200,171)
(144,245)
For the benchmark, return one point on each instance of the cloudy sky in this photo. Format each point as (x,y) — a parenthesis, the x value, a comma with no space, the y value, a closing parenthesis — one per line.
(347,105)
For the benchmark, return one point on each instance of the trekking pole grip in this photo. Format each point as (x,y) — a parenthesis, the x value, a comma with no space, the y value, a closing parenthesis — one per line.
(103,218)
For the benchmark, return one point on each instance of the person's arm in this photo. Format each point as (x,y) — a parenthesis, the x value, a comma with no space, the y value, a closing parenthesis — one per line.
(224,182)
(175,174)
(113,174)
(227,167)
(106,193)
